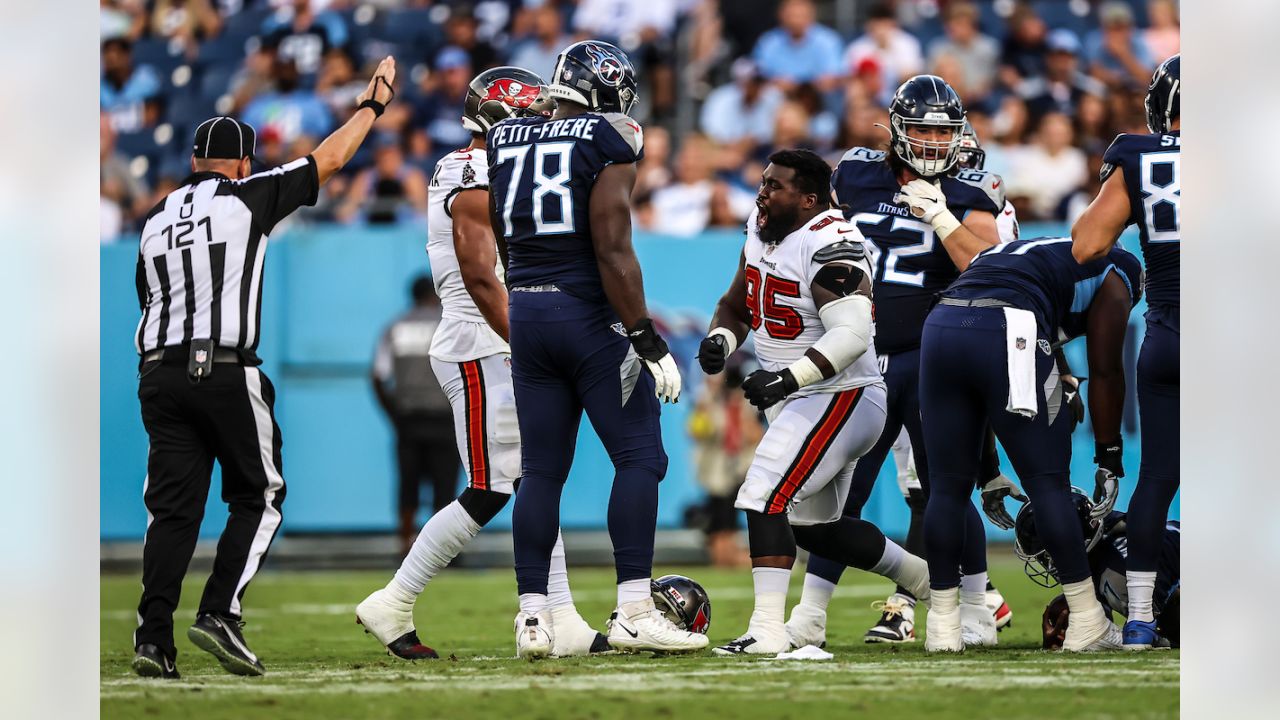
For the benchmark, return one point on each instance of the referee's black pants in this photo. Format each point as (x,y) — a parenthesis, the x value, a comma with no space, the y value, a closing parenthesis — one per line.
(230,417)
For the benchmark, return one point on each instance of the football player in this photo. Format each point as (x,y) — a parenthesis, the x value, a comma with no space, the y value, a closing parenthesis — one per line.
(1142,185)
(581,337)
(986,357)
(471,359)
(804,288)
(908,202)
(1107,544)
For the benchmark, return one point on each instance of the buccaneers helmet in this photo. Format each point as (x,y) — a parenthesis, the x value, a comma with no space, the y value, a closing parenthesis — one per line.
(504,92)
(683,601)
(971,155)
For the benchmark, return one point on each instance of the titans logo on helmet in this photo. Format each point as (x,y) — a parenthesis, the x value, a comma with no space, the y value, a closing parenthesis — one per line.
(607,67)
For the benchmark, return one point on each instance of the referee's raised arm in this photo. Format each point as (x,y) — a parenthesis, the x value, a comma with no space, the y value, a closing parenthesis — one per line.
(338,148)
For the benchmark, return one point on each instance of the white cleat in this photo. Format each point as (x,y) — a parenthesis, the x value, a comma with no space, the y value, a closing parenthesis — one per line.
(977,625)
(535,635)
(638,626)
(807,626)
(390,621)
(897,621)
(1092,632)
(942,632)
(573,636)
(754,643)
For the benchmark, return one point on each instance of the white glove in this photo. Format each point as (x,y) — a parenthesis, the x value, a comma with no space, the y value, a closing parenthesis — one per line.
(929,204)
(1105,493)
(666,377)
(993,495)
(652,349)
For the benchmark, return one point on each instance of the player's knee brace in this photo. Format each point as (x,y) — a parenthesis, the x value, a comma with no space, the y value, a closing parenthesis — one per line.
(770,535)
(482,505)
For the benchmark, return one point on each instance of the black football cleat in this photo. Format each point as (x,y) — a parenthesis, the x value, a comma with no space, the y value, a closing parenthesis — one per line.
(409,647)
(150,661)
(221,638)
(600,645)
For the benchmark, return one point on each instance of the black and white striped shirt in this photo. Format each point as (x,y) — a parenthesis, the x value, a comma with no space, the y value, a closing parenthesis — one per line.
(200,259)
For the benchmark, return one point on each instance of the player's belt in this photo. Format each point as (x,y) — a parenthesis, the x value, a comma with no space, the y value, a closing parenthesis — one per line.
(536,288)
(179,353)
(976,302)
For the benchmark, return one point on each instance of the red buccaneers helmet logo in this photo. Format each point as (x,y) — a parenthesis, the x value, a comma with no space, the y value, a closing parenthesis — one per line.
(511,92)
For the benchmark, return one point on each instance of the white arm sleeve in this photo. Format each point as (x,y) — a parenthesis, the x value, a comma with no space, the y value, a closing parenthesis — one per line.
(848,324)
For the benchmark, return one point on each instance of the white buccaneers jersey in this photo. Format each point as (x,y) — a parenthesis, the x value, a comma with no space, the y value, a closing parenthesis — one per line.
(463,334)
(784,317)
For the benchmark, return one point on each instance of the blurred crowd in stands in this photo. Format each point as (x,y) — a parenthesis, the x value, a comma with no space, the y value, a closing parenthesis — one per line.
(1047,85)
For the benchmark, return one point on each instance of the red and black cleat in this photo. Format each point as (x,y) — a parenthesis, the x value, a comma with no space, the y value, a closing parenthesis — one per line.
(409,647)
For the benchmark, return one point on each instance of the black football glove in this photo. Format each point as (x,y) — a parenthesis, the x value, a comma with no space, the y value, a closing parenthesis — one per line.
(712,353)
(765,389)
(993,494)
(1106,488)
(1071,391)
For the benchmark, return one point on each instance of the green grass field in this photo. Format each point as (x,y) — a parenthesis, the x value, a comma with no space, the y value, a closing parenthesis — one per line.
(321,665)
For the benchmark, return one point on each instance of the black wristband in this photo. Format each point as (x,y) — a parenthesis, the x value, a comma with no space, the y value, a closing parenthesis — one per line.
(646,340)
(377,107)
(1108,455)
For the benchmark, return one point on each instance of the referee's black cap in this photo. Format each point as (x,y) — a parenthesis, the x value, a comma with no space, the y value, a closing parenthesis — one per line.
(224,138)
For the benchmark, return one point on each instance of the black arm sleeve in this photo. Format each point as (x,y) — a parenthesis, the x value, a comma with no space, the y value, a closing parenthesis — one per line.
(272,195)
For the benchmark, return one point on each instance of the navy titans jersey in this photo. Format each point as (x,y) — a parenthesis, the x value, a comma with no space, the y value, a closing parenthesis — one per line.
(911,265)
(1108,561)
(1153,177)
(1040,275)
(541,173)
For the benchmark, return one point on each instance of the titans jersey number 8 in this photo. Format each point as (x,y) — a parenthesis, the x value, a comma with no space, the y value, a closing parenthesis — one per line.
(541,174)
(1153,181)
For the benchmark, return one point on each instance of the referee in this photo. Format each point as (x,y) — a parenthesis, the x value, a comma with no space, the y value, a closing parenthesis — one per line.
(203,397)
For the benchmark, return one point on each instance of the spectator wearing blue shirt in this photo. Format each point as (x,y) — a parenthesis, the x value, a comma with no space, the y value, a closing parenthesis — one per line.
(130,96)
(439,112)
(1116,54)
(740,114)
(800,50)
(288,111)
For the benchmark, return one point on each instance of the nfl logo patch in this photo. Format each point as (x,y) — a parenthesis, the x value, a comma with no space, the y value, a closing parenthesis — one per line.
(201,355)
(1020,343)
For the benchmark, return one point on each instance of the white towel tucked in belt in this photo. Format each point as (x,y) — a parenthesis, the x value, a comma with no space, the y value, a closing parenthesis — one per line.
(1020,346)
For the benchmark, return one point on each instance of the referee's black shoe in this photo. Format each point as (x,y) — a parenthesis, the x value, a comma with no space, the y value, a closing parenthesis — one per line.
(221,637)
(150,661)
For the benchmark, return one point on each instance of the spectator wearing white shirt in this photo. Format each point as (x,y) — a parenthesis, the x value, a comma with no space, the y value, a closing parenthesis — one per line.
(1049,170)
(977,55)
(886,47)
(696,200)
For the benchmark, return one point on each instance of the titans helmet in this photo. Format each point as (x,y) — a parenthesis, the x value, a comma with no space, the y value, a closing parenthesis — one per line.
(683,601)
(929,101)
(504,92)
(971,156)
(1162,95)
(596,75)
(1029,548)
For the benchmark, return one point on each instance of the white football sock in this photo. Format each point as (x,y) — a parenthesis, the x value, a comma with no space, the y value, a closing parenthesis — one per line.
(903,568)
(817,591)
(558,594)
(944,601)
(890,561)
(532,603)
(771,596)
(1081,598)
(1142,585)
(440,541)
(973,589)
(633,590)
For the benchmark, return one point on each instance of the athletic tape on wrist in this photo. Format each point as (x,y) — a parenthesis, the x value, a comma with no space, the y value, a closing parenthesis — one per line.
(945,223)
(730,340)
